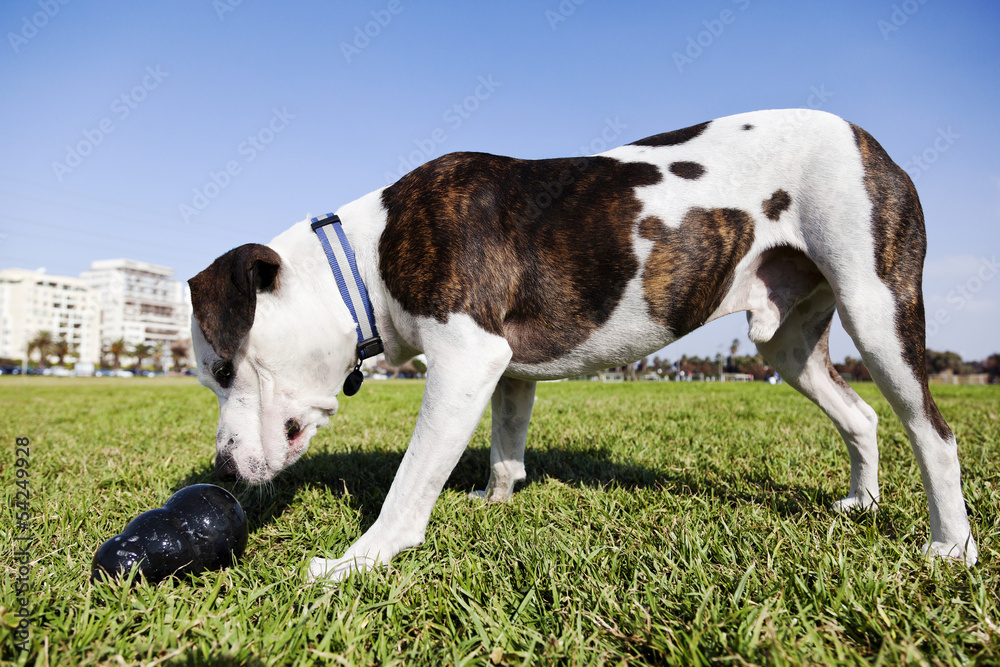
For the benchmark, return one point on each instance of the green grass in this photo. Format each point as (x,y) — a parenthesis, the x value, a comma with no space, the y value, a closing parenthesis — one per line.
(660,524)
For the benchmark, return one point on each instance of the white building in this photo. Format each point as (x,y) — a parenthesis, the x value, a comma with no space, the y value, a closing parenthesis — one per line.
(140,303)
(33,301)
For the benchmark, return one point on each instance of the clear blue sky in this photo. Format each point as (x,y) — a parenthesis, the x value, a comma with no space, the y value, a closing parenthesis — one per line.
(116,115)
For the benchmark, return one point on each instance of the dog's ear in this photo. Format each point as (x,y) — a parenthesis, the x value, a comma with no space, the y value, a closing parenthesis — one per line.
(224,296)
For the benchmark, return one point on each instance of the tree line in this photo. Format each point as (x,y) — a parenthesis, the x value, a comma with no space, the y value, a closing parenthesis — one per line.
(935,363)
(755,365)
(57,351)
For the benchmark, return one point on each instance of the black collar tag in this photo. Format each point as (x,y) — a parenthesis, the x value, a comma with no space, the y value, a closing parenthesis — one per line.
(353,382)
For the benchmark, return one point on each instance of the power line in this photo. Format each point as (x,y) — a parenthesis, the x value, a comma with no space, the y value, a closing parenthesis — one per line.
(105,214)
(77,230)
(85,196)
(78,243)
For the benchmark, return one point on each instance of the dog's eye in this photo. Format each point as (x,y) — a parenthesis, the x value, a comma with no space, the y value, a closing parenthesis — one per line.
(222,371)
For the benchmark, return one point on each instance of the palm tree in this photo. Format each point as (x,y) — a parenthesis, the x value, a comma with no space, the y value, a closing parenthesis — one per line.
(158,357)
(734,347)
(117,349)
(179,351)
(61,348)
(141,351)
(43,343)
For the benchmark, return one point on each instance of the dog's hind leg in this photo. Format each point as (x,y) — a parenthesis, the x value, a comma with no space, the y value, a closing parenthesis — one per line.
(887,325)
(877,284)
(511,404)
(799,352)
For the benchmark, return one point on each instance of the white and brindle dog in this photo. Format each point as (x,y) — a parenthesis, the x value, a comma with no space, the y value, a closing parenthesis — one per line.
(505,272)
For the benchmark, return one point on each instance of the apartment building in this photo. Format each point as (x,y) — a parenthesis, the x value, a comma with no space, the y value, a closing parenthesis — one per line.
(116,298)
(34,301)
(140,302)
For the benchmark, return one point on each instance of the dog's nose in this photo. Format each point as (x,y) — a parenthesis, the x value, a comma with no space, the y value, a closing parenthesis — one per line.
(225,467)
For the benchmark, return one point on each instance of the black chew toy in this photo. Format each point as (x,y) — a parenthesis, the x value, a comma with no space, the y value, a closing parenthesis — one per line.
(201,527)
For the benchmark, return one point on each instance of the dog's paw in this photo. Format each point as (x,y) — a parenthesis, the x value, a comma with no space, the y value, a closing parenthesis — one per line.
(329,571)
(493,494)
(967,552)
(856,504)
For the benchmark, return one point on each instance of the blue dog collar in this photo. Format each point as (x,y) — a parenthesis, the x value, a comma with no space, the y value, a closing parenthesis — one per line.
(341,258)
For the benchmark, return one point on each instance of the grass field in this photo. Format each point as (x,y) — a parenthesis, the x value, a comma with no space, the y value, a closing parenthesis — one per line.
(660,524)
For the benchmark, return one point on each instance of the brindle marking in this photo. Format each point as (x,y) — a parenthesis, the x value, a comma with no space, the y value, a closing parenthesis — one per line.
(690,268)
(536,251)
(900,245)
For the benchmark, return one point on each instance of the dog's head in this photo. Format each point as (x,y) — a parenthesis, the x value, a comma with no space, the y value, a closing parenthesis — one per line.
(275,349)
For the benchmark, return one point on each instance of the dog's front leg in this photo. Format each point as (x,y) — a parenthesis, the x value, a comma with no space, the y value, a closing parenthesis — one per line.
(464,365)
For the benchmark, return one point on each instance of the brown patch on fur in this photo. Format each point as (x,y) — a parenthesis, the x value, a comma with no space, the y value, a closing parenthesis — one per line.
(777,204)
(673,138)
(821,334)
(900,246)
(690,268)
(537,251)
(835,375)
(688,170)
(224,296)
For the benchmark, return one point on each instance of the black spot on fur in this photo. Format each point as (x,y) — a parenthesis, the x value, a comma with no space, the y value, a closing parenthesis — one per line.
(777,204)
(900,245)
(224,296)
(748,126)
(689,170)
(538,251)
(673,138)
